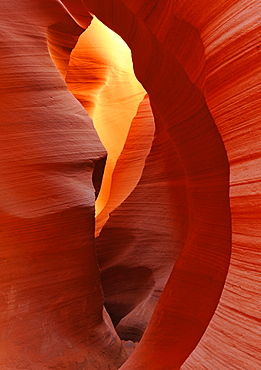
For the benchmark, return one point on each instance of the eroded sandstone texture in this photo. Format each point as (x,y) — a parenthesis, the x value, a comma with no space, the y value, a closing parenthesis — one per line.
(175,265)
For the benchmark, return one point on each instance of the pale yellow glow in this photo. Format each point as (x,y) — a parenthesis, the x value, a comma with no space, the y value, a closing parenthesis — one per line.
(111,92)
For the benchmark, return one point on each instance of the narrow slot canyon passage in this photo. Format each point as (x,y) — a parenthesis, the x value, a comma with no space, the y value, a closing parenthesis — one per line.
(129,225)
(123,119)
(130,185)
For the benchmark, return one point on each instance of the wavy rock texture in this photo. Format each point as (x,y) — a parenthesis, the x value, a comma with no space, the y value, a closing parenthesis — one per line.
(51,299)
(184,17)
(165,249)
(201,170)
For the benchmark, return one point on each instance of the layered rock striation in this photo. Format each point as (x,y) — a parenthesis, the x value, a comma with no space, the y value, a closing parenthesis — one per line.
(176,260)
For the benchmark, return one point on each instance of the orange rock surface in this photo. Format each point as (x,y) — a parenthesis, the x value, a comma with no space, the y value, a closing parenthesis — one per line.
(176,261)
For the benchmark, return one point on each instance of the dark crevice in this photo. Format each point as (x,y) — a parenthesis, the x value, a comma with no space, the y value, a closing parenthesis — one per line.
(97,175)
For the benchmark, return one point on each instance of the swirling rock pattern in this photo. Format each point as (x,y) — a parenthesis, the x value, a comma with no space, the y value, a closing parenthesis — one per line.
(180,202)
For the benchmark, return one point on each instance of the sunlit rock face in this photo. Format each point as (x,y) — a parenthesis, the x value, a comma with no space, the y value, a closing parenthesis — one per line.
(169,93)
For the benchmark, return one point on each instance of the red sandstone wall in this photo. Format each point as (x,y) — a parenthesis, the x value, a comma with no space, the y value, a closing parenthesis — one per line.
(199,63)
(51,302)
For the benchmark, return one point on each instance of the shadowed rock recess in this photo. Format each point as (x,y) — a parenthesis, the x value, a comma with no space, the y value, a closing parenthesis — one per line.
(130,173)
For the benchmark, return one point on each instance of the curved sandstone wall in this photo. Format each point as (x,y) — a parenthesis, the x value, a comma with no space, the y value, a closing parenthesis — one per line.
(175,263)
